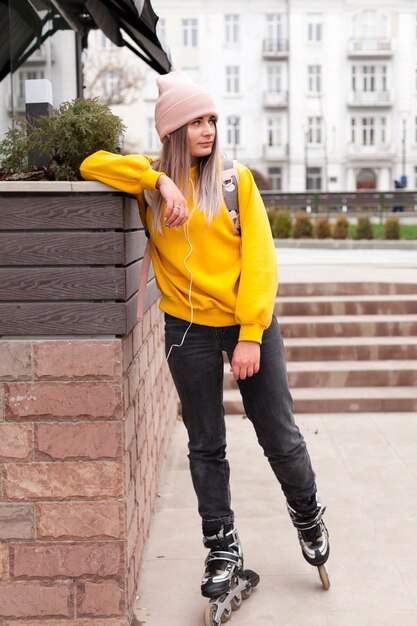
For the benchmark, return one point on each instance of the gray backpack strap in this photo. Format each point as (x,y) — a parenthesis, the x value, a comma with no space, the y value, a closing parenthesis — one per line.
(230,181)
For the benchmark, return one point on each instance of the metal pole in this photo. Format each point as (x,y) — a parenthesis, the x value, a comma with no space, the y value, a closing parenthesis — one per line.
(404,143)
(78,65)
(9,27)
(306,157)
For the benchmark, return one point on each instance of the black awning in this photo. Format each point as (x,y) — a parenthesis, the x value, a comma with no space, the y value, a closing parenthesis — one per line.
(26,24)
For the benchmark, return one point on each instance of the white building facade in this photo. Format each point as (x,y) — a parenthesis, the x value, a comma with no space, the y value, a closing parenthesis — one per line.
(313,94)
(316,94)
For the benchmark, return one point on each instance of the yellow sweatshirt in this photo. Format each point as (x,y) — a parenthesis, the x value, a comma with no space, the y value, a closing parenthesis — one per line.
(234,279)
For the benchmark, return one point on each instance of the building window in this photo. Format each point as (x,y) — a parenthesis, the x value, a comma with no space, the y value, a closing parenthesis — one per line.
(275,178)
(274,78)
(382,130)
(368,131)
(233,130)
(232,29)
(274,131)
(370,24)
(314,179)
(232,79)
(314,78)
(370,78)
(384,80)
(314,132)
(154,144)
(353,130)
(274,33)
(314,27)
(189,33)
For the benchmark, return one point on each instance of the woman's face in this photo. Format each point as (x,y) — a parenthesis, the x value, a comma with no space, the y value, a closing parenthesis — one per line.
(201,135)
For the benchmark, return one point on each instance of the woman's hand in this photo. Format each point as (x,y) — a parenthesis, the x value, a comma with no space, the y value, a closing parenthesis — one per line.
(246,359)
(176,212)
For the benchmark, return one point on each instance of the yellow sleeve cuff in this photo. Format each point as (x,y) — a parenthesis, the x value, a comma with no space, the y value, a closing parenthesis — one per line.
(152,177)
(251,332)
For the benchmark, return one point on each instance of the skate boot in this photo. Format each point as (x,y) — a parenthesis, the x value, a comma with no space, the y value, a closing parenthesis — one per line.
(314,539)
(223,562)
(224,580)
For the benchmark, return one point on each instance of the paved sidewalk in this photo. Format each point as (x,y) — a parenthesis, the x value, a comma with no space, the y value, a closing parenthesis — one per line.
(366,467)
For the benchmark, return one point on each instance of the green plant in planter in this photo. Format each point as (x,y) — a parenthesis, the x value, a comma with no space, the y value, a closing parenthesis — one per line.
(75,130)
(341,227)
(322,228)
(364,228)
(302,226)
(282,224)
(392,228)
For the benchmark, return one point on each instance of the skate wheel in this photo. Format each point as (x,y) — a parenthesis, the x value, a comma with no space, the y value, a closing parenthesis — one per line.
(236,602)
(209,615)
(324,576)
(246,593)
(227,614)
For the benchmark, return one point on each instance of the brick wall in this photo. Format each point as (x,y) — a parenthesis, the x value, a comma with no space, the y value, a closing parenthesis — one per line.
(84,426)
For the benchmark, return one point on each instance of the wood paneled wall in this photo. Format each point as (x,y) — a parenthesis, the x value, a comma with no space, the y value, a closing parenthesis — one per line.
(70,263)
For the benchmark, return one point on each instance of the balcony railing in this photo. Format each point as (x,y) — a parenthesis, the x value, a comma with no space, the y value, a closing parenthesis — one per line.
(370,98)
(376,151)
(275,48)
(275,99)
(378,46)
(275,152)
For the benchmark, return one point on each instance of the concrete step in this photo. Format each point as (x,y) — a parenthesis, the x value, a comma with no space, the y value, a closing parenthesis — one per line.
(340,400)
(345,374)
(345,288)
(348,326)
(393,373)
(350,348)
(347,305)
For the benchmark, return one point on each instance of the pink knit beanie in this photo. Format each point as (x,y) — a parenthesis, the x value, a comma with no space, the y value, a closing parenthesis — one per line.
(180,101)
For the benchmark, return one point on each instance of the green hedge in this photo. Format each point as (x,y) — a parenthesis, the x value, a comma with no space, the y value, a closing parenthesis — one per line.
(284,225)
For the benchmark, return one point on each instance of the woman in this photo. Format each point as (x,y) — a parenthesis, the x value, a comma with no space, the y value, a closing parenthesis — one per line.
(218,290)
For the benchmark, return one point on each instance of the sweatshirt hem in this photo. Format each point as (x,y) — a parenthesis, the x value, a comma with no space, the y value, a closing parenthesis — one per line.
(212,317)
(206,317)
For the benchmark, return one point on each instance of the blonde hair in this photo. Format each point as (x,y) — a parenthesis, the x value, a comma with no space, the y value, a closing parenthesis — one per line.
(175,161)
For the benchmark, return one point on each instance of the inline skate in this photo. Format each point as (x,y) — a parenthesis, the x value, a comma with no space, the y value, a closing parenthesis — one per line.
(225,581)
(314,539)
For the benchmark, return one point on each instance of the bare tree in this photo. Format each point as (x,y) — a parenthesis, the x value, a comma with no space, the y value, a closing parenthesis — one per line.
(113,77)
(262,182)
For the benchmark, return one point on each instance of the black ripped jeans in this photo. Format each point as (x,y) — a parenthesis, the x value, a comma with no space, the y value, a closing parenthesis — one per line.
(197,370)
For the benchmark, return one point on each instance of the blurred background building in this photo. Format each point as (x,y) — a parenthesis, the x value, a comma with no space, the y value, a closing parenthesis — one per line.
(317,95)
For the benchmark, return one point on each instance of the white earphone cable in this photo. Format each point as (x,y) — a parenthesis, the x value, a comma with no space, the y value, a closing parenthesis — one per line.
(187,236)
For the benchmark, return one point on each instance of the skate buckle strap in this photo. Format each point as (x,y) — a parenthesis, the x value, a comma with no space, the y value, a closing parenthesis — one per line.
(220,540)
(304,521)
(219,555)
